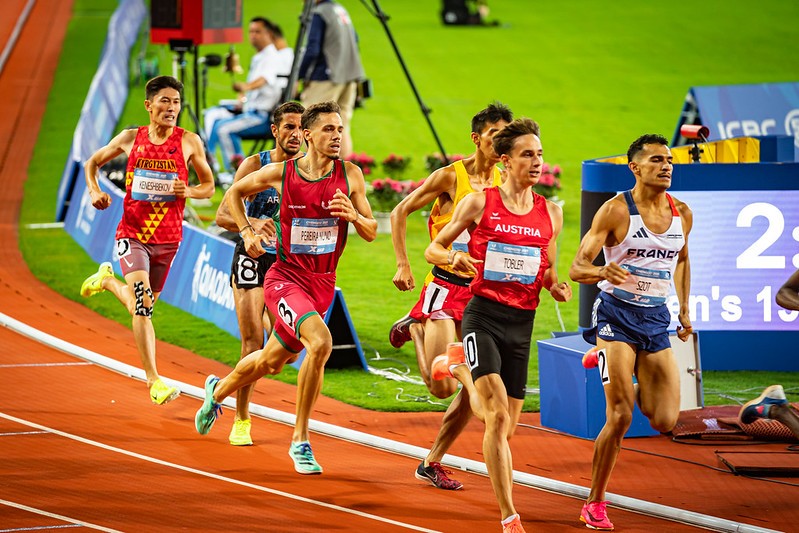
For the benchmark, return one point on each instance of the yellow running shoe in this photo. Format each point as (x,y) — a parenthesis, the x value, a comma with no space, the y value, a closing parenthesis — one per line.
(161,393)
(240,433)
(94,283)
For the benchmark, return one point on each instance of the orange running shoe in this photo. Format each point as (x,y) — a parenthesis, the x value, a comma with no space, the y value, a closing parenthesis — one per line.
(590,358)
(442,364)
(595,516)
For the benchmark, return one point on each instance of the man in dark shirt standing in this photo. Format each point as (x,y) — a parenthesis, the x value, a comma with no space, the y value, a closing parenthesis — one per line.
(331,66)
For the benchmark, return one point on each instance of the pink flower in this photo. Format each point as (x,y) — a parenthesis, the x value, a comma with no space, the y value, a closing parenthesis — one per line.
(545,168)
(547,180)
(378,184)
(556,170)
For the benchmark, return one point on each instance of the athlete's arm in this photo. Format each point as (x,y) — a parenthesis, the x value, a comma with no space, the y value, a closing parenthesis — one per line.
(253,183)
(467,212)
(439,182)
(788,295)
(223,216)
(122,143)
(355,209)
(682,274)
(560,291)
(603,228)
(195,155)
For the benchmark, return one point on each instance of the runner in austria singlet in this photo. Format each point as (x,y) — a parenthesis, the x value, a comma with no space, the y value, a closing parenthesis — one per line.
(151,214)
(514,250)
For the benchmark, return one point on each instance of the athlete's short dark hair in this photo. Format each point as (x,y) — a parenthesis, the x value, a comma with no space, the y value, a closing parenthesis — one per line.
(506,137)
(161,82)
(284,109)
(495,112)
(312,113)
(638,145)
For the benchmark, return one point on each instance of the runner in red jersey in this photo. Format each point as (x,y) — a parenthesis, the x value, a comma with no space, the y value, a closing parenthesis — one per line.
(148,236)
(319,196)
(512,253)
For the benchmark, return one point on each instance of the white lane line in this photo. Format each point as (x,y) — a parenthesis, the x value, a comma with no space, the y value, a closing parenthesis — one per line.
(217,477)
(18,433)
(56,516)
(22,365)
(12,41)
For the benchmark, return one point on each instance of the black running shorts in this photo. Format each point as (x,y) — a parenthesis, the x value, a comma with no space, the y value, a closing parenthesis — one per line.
(246,272)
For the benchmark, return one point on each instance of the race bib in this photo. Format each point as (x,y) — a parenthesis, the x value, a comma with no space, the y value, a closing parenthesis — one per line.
(315,236)
(644,286)
(461,242)
(153,185)
(510,262)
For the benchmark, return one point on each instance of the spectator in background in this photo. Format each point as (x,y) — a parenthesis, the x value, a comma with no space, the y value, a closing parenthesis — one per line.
(331,66)
(257,97)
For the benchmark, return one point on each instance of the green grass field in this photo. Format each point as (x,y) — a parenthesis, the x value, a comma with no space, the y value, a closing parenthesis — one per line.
(595,75)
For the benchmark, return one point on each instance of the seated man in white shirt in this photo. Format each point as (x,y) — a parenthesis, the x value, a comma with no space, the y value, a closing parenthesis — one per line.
(266,79)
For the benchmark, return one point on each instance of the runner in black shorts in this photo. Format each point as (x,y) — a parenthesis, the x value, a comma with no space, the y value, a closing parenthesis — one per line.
(512,253)
(247,273)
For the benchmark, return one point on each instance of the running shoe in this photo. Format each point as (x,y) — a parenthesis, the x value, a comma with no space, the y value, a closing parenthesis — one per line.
(161,393)
(240,433)
(514,526)
(302,455)
(94,283)
(590,358)
(761,406)
(210,410)
(401,331)
(442,364)
(595,516)
(437,476)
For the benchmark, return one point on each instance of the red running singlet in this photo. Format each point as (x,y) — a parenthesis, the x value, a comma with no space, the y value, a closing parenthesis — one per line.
(514,250)
(151,214)
(308,236)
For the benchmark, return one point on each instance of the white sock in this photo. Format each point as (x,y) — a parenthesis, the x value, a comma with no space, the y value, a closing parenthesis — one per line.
(510,519)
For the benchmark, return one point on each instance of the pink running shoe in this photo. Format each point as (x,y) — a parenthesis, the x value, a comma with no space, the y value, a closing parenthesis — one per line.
(590,359)
(595,516)
(437,476)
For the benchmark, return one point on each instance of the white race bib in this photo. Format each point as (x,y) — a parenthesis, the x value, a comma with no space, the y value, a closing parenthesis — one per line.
(153,185)
(315,236)
(510,262)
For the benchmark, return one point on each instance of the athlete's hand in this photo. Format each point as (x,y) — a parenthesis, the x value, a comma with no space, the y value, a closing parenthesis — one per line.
(464,264)
(180,189)
(253,243)
(403,279)
(265,227)
(685,330)
(562,292)
(341,206)
(614,273)
(100,200)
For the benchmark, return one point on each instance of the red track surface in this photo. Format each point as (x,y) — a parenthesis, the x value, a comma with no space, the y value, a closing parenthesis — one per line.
(85,443)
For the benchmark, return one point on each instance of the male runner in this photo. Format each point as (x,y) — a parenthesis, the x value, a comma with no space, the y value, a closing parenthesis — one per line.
(149,234)
(247,273)
(511,254)
(644,235)
(435,320)
(319,196)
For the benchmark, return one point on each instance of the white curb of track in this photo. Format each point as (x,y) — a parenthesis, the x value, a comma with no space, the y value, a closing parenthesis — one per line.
(454,461)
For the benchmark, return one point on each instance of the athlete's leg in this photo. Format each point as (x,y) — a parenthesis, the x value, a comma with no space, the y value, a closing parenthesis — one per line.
(140,307)
(620,398)
(318,345)
(249,310)
(455,419)
(268,360)
(437,334)
(659,388)
(496,450)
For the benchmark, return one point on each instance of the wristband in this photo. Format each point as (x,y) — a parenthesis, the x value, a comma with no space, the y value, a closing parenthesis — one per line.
(245,227)
(451,256)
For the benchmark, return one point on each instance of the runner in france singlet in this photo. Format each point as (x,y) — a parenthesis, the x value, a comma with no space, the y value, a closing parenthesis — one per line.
(514,250)
(151,214)
(265,204)
(308,236)
(437,221)
(650,257)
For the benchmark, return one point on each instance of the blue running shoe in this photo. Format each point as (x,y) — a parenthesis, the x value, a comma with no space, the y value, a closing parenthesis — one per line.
(760,406)
(208,413)
(304,462)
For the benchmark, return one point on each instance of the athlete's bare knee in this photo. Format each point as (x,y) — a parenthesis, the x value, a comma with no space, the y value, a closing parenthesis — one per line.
(664,422)
(620,417)
(319,349)
(442,389)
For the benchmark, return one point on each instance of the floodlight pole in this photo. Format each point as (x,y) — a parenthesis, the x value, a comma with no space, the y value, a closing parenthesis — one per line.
(383,18)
